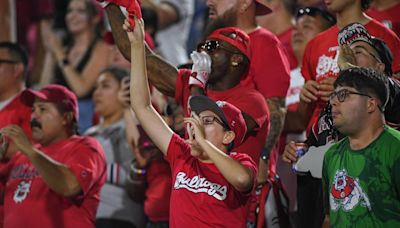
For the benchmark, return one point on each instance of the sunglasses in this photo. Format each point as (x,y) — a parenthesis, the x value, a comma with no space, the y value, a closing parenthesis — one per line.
(344,93)
(208,120)
(211,45)
(314,11)
(7,61)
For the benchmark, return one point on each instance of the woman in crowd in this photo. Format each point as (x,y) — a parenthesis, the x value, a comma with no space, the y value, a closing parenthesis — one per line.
(115,132)
(77,61)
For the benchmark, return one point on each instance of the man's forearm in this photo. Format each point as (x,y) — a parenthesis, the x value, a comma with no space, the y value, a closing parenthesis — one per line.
(277,111)
(57,176)
(160,73)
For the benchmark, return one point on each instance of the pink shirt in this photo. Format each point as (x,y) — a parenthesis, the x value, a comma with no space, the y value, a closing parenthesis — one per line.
(29,202)
(201,196)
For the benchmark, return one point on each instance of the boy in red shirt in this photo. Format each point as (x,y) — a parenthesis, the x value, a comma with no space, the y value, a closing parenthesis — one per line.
(211,185)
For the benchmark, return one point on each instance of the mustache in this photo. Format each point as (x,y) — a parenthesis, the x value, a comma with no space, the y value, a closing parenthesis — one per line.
(35,123)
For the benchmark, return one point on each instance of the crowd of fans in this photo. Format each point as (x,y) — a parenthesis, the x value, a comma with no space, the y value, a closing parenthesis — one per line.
(190,113)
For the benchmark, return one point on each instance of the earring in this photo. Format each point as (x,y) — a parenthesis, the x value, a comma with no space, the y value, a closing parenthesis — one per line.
(235,64)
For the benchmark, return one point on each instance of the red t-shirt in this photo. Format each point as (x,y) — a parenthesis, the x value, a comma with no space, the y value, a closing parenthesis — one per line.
(286,40)
(389,17)
(269,66)
(156,205)
(320,57)
(29,202)
(245,98)
(201,196)
(13,113)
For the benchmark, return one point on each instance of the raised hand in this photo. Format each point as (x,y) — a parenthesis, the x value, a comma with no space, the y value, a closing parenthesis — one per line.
(133,8)
(135,35)
(201,69)
(196,133)
(346,57)
(124,92)
(18,137)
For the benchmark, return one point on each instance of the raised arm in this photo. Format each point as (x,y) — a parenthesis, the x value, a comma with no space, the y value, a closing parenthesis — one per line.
(160,73)
(235,173)
(151,121)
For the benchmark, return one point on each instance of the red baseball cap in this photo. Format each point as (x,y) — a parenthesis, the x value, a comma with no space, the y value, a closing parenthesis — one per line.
(235,37)
(54,94)
(261,8)
(230,115)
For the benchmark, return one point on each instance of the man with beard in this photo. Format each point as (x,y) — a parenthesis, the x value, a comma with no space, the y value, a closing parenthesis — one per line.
(269,74)
(171,82)
(56,182)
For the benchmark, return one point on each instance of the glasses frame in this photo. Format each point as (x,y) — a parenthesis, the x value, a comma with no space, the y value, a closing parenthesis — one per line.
(213,119)
(342,94)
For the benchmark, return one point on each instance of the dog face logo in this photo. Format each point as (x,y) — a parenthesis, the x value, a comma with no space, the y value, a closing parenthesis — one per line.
(22,191)
(347,193)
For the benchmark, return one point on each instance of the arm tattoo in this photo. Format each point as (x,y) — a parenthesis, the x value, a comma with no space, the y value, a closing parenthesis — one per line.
(277,111)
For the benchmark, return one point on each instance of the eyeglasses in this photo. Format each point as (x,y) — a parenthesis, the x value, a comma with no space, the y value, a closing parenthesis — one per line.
(343,94)
(208,120)
(314,11)
(211,45)
(7,61)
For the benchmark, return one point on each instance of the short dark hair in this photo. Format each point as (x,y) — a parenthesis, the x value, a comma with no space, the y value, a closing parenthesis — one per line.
(74,125)
(117,72)
(18,53)
(365,4)
(366,80)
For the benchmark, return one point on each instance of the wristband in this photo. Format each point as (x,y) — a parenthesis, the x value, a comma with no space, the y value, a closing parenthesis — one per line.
(137,170)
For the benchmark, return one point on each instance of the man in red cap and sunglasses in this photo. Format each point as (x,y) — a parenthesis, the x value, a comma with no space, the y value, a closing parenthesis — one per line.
(56,182)
(219,65)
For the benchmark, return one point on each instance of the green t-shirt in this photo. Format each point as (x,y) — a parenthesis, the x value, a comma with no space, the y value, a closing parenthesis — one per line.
(363,187)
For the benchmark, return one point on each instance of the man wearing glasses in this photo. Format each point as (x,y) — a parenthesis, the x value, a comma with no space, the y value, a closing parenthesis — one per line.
(361,177)
(320,69)
(13,73)
(357,48)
